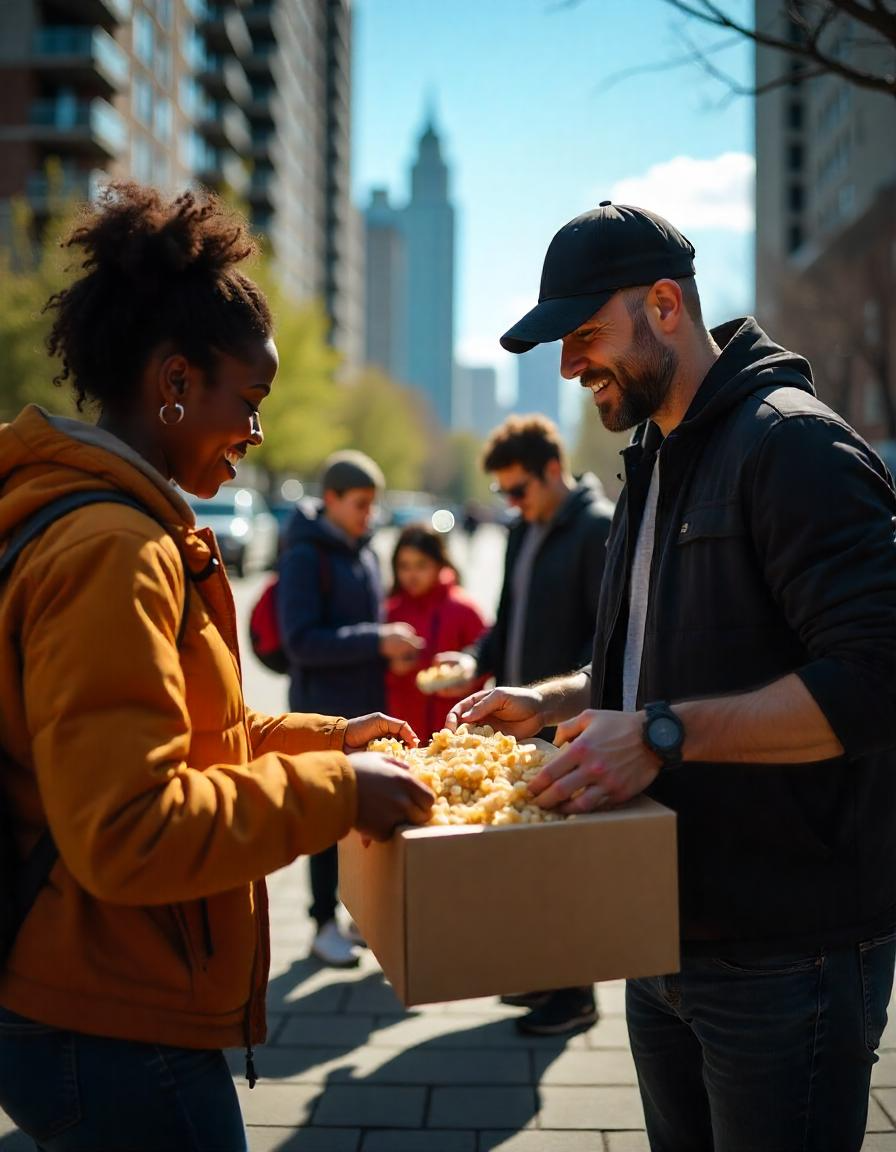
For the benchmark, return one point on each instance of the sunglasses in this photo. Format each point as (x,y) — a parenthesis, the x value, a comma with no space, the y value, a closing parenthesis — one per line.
(514,492)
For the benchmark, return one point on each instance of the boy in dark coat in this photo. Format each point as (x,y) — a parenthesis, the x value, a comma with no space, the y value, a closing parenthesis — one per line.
(330,606)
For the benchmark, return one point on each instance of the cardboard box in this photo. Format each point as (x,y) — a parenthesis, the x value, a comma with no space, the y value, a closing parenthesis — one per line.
(458,911)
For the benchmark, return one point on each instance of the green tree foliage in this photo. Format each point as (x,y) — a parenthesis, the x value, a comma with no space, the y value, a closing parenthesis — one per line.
(303,416)
(597,450)
(468,481)
(388,422)
(30,272)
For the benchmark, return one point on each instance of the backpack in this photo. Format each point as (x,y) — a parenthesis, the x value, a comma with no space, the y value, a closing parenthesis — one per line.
(22,880)
(264,627)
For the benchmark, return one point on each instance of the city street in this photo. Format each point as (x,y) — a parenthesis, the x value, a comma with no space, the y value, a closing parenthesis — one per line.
(347,1069)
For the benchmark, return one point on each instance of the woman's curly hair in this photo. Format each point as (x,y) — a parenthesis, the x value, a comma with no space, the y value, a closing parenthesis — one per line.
(153,271)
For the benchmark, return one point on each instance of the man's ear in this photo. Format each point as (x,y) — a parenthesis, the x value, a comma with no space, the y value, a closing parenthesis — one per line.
(553,470)
(665,302)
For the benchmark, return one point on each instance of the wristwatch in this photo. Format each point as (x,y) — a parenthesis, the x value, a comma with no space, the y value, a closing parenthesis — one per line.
(663,733)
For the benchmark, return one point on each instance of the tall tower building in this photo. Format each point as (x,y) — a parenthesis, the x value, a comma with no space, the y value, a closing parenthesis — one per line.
(429,236)
(252,98)
(410,280)
(538,377)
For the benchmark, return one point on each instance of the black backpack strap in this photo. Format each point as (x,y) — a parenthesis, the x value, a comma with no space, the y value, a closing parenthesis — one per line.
(34,871)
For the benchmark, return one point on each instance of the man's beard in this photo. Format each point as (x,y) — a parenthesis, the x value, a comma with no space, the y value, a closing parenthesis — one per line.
(643,375)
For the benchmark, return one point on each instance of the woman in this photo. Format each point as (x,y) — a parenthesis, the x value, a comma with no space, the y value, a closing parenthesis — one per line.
(426,596)
(124,730)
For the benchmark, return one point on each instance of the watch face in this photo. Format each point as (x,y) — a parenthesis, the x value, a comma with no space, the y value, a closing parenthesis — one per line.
(664,733)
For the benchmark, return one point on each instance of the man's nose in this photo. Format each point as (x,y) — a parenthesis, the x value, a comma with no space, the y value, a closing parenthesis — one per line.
(572,362)
(256,436)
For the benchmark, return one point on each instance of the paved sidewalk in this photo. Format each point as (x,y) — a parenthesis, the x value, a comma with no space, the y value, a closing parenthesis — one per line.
(347,1069)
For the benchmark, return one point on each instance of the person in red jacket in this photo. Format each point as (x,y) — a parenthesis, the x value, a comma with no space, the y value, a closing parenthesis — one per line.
(426,595)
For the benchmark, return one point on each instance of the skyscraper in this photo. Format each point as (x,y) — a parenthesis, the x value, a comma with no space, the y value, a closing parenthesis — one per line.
(475,405)
(254,98)
(410,280)
(538,388)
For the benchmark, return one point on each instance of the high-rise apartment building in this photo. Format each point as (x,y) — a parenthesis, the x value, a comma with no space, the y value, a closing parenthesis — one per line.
(826,217)
(410,280)
(254,98)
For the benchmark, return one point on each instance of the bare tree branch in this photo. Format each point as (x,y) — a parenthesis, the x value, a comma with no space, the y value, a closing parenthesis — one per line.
(813,17)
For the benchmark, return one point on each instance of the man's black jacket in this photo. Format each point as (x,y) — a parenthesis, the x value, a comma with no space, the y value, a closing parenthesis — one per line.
(563,592)
(774,554)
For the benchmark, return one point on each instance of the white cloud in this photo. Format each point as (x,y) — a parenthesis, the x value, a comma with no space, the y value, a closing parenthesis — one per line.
(696,194)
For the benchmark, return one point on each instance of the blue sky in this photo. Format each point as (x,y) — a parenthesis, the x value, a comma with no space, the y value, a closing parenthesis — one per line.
(537,126)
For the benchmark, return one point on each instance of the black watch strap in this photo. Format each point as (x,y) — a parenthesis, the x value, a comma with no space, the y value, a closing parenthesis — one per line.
(663,733)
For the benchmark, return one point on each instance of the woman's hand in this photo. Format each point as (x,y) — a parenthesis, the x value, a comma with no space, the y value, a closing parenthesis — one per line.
(362,729)
(388,795)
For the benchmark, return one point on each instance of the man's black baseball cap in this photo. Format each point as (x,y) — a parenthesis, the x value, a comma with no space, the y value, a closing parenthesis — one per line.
(611,247)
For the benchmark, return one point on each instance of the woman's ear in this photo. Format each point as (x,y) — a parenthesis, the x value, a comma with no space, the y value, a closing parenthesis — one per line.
(174,377)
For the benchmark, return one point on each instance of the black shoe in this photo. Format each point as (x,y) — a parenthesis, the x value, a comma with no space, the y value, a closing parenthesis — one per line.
(567,1010)
(525,999)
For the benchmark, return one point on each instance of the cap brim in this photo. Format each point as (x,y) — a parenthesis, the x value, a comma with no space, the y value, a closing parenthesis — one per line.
(552,320)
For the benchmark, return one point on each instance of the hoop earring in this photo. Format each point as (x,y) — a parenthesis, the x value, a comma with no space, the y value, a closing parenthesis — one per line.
(178,414)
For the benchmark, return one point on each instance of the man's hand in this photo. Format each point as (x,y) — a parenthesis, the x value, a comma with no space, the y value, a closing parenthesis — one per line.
(400,642)
(603,763)
(516,711)
(388,795)
(360,731)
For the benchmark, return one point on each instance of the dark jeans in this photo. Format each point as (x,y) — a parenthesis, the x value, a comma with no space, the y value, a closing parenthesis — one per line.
(738,1054)
(75,1093)
(324,871)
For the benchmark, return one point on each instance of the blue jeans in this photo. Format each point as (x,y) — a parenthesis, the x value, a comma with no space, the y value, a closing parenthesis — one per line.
(75,1093)
(738,1054)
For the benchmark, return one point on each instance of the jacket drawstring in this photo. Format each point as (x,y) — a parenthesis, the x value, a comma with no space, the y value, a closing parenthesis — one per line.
(250,1066)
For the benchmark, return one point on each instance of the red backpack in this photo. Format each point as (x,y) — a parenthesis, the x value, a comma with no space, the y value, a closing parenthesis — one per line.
(264,628)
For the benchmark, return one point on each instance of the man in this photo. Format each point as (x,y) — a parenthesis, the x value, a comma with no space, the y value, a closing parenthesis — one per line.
(743,674)
(330,606)
(545,619)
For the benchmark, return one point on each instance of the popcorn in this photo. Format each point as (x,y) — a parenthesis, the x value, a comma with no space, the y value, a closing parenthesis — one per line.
(478,776)
(438,676)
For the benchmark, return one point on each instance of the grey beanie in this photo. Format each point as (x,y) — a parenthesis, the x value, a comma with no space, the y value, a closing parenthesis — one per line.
(350,469)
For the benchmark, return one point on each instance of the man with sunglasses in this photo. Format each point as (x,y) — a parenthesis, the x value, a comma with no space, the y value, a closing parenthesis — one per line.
(545,619)
(743,674)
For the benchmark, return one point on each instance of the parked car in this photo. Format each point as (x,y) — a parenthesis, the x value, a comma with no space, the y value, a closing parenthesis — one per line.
(246,532)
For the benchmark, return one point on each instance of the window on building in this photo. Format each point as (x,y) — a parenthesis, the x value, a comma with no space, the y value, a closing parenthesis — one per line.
(141,100)
(796,199)
(163,65)
(794,237)
(188,97)
(795,157)
(795,115)
(141,159)
(846,199)
(163,120)
(144,37)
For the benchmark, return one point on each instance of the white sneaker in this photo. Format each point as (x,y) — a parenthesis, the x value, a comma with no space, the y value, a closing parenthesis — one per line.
(331,947)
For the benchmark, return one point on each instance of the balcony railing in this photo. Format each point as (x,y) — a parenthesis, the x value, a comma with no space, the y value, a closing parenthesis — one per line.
(61,44)
(82,118)
(42,189)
